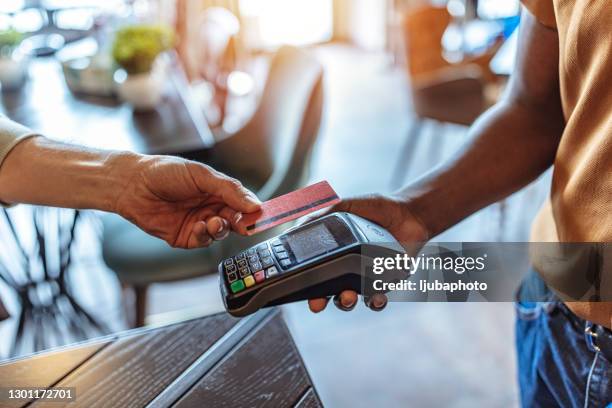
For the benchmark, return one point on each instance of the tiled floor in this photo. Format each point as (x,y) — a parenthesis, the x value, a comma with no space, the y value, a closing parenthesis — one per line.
(418,355)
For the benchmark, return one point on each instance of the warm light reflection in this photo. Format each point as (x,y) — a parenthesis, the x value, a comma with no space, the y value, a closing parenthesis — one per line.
(498,9)
(240,83)
(295,22)
(12,6)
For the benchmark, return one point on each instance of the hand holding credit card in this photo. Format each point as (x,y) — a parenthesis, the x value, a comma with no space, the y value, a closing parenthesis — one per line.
(290,206)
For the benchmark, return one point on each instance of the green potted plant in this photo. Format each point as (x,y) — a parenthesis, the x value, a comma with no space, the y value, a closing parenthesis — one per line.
(13,62)
(136,49)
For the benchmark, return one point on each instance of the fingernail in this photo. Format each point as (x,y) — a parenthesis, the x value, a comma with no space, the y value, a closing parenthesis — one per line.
(346,303)
(342,306)
(253,198)
(237,218)
(224,228)
(378,303)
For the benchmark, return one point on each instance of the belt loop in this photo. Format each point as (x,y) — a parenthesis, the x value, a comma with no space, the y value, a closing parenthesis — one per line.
(591,337)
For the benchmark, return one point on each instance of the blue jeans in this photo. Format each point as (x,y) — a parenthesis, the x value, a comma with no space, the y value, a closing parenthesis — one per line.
(564,361)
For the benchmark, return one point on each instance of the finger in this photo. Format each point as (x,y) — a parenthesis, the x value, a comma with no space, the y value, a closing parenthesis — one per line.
(199,236)
(231,215)
(317,305)
(347,300)
(217,227)
(342,306)
(234,218)
(376,302)
(233,193)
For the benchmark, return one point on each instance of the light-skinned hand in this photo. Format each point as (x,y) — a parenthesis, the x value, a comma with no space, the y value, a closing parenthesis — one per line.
(185,203)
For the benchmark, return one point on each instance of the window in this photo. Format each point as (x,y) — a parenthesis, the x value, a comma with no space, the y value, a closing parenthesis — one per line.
(271,23)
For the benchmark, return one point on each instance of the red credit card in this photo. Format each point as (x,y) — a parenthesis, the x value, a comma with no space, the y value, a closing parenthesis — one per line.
(290,206)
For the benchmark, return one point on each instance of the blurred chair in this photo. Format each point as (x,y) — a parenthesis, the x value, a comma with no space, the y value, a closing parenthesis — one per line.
(210,49)
(4,314)
(270,155)
(440,91)
(39,254)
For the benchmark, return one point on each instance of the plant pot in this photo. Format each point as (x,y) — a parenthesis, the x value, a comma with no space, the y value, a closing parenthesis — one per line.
(13,70)
(143,91)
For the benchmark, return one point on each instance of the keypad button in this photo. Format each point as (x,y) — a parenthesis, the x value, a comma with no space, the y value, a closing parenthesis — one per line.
(277,242)
(278,249)
(253,259)
(237,286)
(285,263)
(271,272)
(262,247)
(267,261)
(249,281)
(242,263)
(256,266)
(241,255)
(264,253)
(228,262)
(230,268)
(251,251)
(282,255)
(244,271)
(232,277)
(260,276)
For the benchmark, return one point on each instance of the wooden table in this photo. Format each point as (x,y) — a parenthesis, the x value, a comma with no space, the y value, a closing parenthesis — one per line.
(215,361)
(46,105)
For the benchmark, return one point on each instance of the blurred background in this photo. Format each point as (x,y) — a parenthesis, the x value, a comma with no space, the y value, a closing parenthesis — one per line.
(367,94)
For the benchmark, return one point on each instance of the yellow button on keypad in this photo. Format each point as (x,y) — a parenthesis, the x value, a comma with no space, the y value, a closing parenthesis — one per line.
(249,281)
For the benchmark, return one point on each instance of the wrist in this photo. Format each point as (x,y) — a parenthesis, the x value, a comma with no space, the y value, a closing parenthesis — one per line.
(414,226)
(412,206)
(120,169)
(435,203)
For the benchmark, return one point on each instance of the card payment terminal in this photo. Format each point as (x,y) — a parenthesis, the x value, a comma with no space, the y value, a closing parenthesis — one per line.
(317,259)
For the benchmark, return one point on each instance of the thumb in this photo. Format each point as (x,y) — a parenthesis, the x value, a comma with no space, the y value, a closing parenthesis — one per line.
(230,190)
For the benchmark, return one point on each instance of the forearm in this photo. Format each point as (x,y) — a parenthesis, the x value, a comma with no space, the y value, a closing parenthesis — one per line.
(512,143)
(510,147)
(44,172)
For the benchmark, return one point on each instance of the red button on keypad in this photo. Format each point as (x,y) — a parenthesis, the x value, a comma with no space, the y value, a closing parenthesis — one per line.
(259,276)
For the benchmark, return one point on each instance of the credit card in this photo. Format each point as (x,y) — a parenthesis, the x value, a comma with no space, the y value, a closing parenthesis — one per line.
(290,206)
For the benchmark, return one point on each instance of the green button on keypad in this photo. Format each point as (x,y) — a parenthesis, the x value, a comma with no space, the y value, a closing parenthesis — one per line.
(237,286)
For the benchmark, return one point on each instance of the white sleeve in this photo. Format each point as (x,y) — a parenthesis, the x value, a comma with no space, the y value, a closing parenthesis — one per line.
(11,133)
